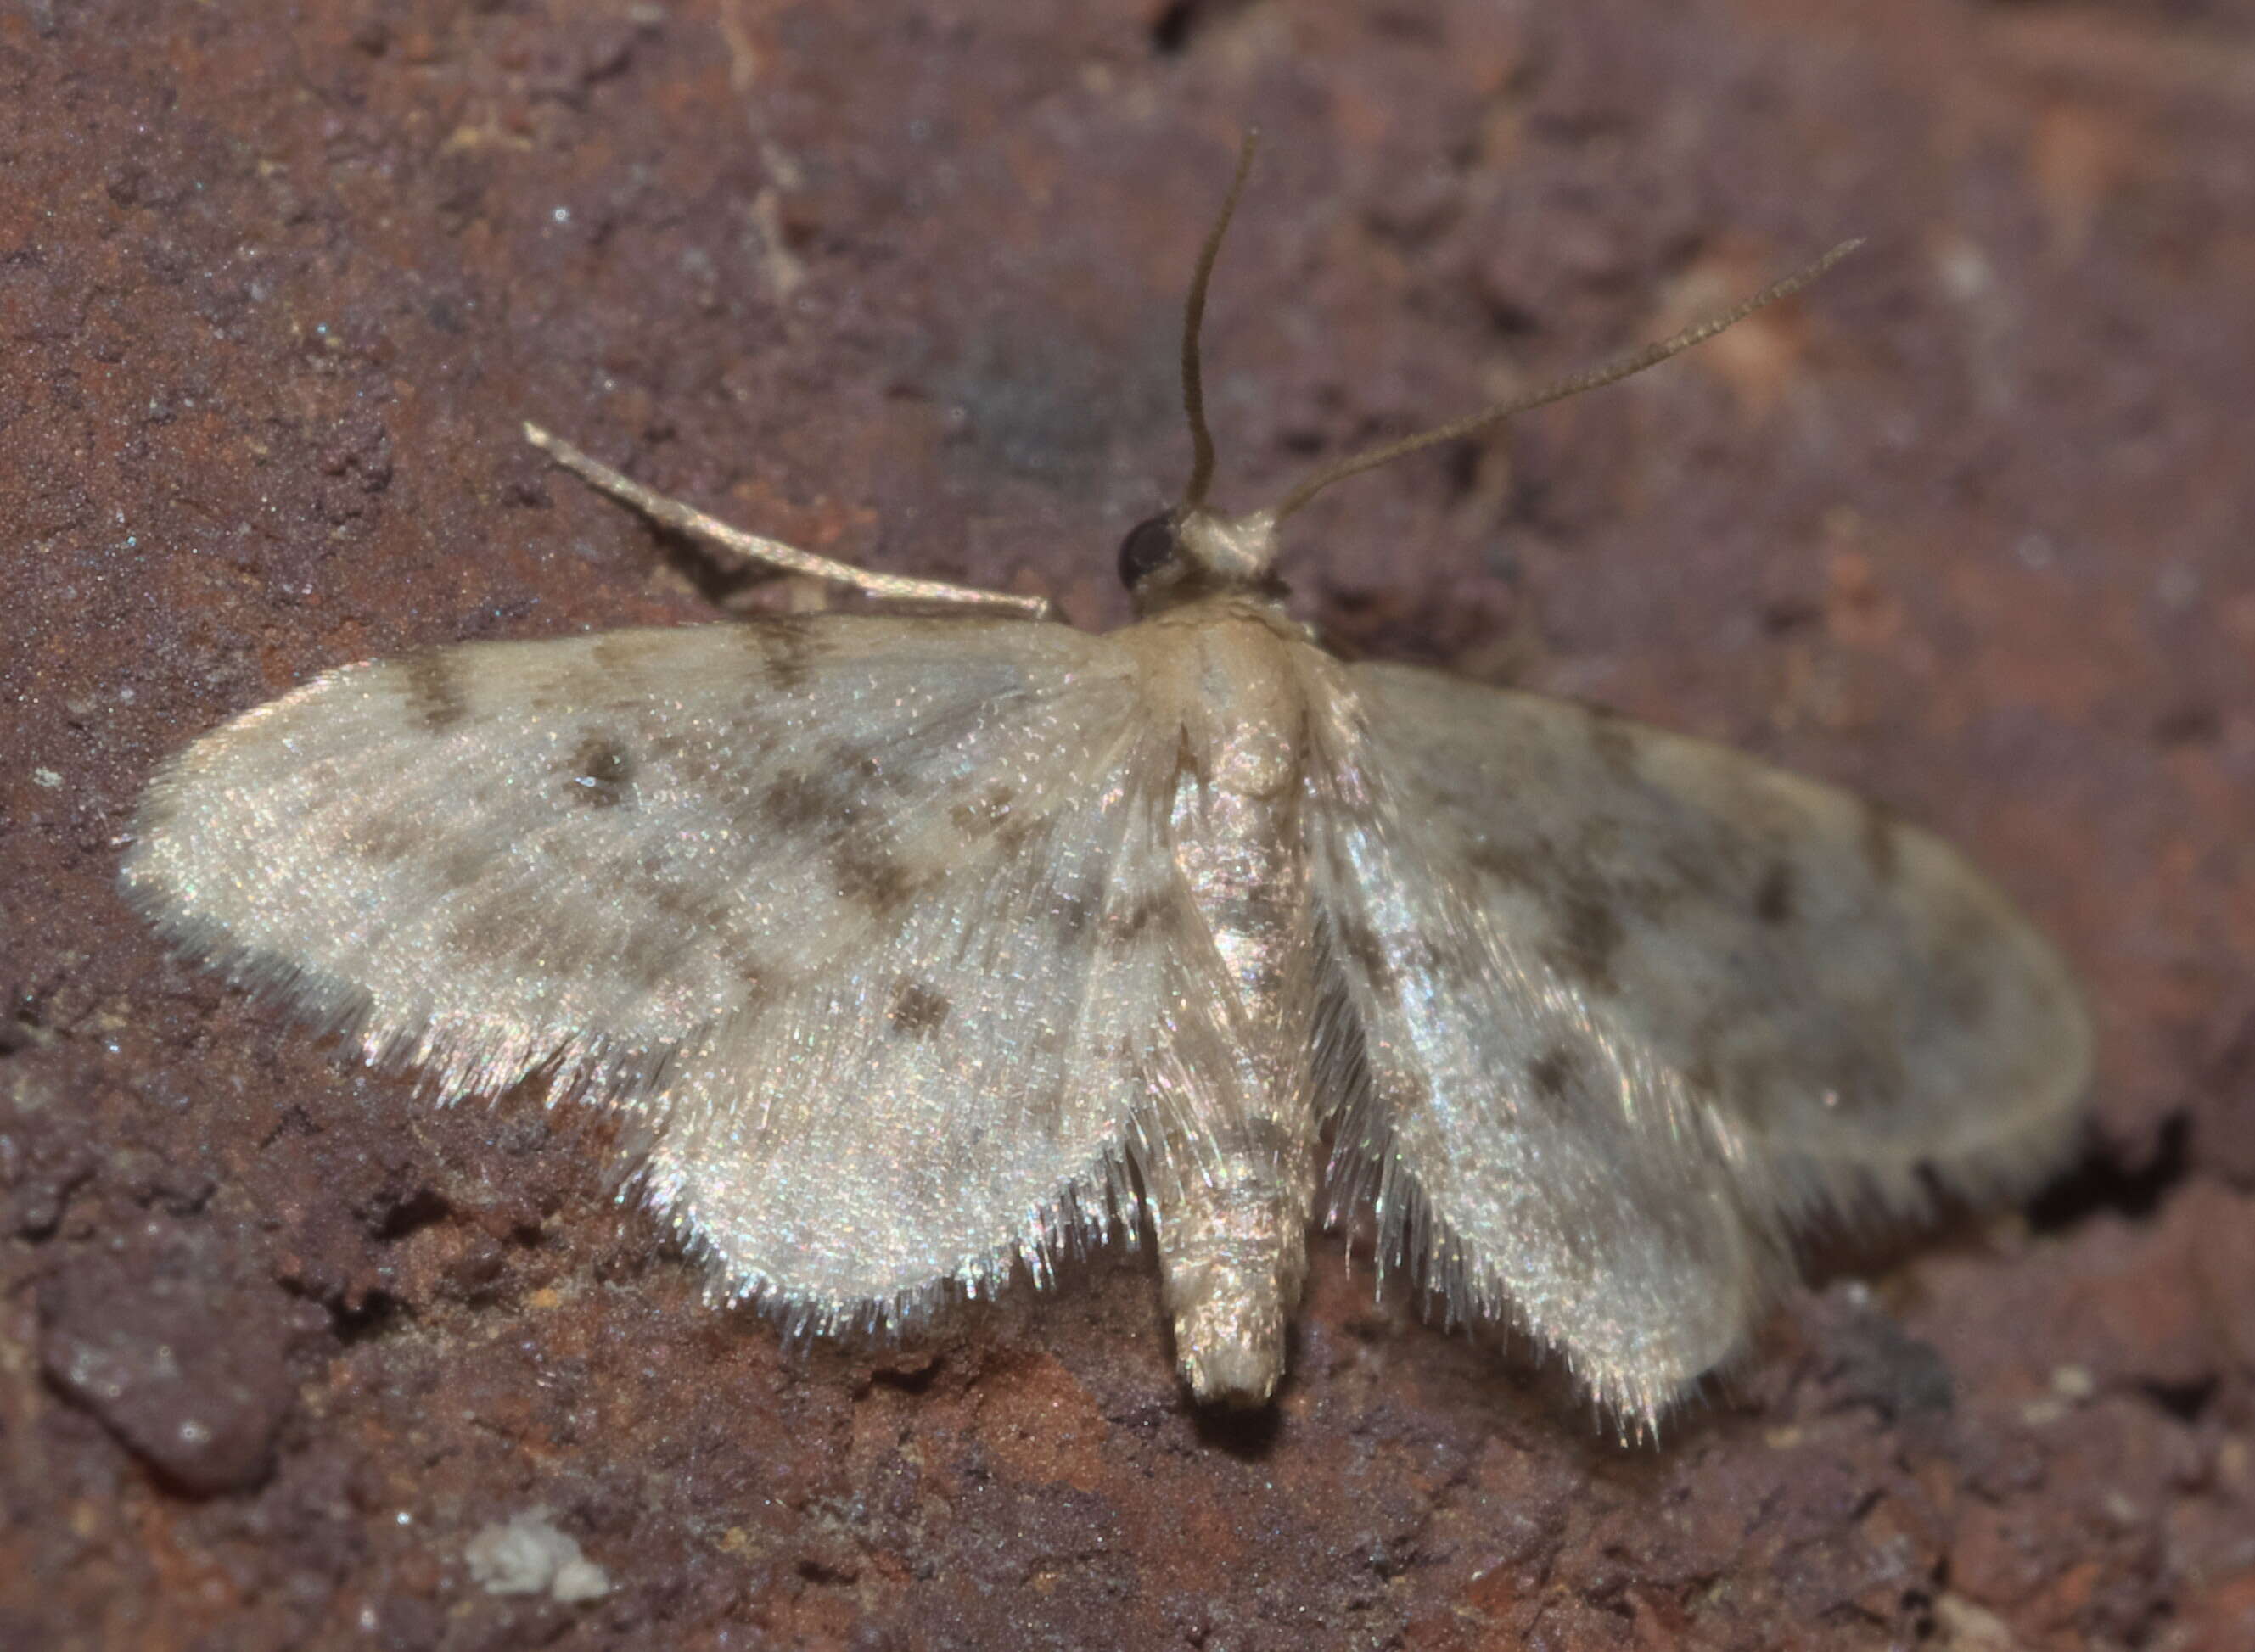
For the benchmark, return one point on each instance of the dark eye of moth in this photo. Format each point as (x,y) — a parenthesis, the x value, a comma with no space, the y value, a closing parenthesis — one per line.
(1149,546)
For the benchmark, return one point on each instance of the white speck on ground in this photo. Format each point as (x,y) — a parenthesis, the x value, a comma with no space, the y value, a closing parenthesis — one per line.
(528,1555)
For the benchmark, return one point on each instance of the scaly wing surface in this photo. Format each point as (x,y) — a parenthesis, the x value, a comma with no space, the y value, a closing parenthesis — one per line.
(969,1091)
(852,903)
(1630,1003)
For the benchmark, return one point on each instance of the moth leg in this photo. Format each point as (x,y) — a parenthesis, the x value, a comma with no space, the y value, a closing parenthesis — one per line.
(770,552)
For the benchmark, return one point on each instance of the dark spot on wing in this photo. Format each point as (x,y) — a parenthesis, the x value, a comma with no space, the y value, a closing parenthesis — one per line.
(1598,838)
(621,654)
(486,931)
(870,768)
(1077,905)
(1968,987)
(1710,867)
(870,875)
(1613,741)
(436,697)
(599,773)
(1016,830)
(387,841)
(683,906)
(694,916)
(1586,936)
(1518,865)
(917,1008)
(754,975)
(1554,1072)
(1774,899)
(795,802)
(1876,838)
(1156,911)
(986,814)
(1962,966)
(787,648)
(460,865)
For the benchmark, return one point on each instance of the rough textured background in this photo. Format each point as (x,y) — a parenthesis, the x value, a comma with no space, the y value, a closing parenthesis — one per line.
(1972,529)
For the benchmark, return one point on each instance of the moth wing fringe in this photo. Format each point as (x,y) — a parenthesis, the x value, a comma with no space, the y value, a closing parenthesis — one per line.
(445,1064)
(1098,1207)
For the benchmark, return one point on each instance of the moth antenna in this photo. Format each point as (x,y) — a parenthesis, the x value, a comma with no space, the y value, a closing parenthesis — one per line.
(1588,378)
(1193,317)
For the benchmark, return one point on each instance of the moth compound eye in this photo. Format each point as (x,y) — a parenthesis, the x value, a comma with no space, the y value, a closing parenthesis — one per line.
(1151,545)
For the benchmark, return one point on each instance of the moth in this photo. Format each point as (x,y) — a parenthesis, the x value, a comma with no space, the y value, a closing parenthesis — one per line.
(925,948)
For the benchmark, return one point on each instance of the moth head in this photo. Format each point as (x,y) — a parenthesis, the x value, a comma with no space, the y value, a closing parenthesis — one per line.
(1181,555)
(1195,550)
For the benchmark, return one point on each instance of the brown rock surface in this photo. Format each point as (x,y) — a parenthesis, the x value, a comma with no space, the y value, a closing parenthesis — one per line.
(1972,529)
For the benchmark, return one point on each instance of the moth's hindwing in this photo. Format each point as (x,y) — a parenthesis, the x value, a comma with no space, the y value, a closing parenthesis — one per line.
(1630,1002)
